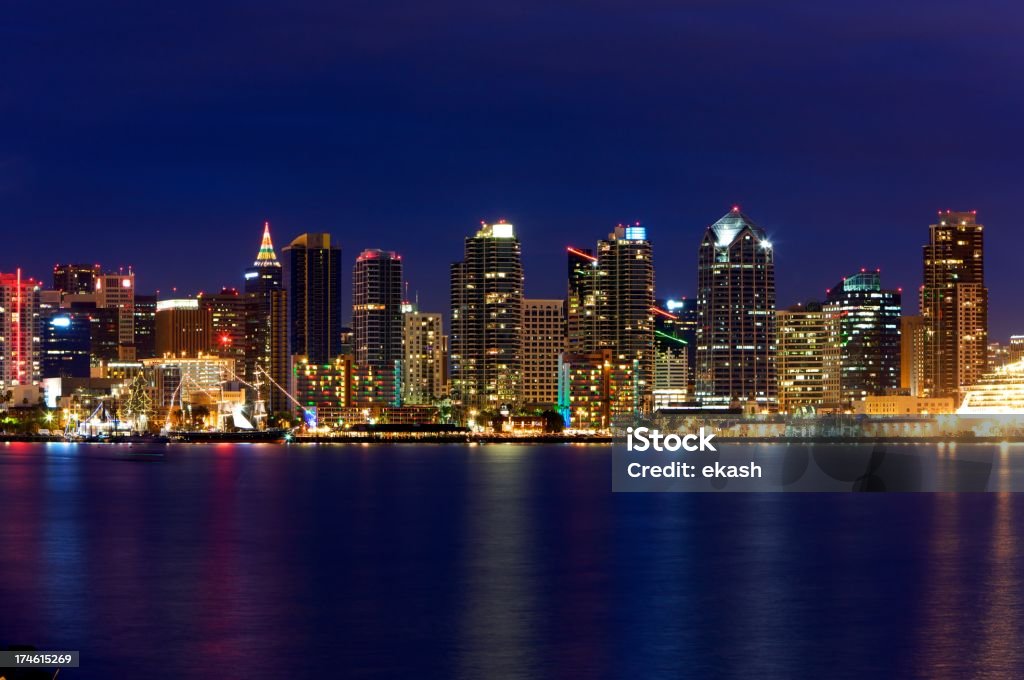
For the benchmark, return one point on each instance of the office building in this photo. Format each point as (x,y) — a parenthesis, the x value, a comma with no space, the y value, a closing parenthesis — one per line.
(377,324)
(912,332)
(183,328)
(736,310)
(266,325)
(625,305)
(486,308)
(314,288)
(543,340)
(954,303)
(66,346)
(145,326)
(423,358)
(116,290)
(808,359)
(581,303)
(19,331)
(229,311)
(869,331)
(76,278)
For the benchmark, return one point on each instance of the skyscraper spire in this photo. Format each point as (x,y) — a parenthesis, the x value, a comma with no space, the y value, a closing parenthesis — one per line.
(266,256)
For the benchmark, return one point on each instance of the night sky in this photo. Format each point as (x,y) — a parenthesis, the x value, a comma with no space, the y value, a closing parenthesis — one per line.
(164,137)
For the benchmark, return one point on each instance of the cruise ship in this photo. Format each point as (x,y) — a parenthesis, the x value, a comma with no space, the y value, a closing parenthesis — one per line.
(999,393)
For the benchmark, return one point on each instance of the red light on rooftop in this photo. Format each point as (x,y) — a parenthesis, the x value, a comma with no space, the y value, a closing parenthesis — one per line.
(735,208)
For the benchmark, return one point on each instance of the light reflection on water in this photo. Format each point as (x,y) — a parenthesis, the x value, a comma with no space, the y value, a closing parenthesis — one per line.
(493,561)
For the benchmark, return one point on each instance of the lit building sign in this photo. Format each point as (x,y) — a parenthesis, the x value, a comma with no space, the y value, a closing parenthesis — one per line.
(184,303)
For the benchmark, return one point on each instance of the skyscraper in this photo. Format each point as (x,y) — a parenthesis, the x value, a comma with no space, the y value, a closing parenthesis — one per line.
(377,323)
(954,304)
(19,312)
(487,301)
(625,305)
(543,341)
(145,326)
(869,333)
(736,309)
(314,285)
(581,303)
(266,323)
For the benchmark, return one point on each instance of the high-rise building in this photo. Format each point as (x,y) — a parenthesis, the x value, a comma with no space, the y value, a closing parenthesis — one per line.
(543,338)
(377,322)
(423,362)
(487,307)
(183,329)
(116,290)
(314,285)
(266,324)
(145,326)
(581,303)
(869,332)
(954,303)
(912,332)
(229,311)
(610,305)
(76,278)
(19,331)
(625,305)
(736,310)
(808,359)
(66,346)
(675,351)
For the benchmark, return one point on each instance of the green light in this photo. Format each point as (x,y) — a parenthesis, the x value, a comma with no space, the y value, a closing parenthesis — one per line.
(671,337)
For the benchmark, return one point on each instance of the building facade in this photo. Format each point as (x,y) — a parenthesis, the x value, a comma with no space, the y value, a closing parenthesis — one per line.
(183,328)
(954,304)
(314,285)
(266,325)
(423,358)
(808,359)
(19,331)
(736,314)
(377,323)
(869,336)
(486,319)
(543,340)
(228,310)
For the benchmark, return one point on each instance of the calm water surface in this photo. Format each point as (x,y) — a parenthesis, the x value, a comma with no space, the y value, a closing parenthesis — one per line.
(504,561)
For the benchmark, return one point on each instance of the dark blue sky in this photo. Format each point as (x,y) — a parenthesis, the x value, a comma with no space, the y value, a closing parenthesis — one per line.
(163,137)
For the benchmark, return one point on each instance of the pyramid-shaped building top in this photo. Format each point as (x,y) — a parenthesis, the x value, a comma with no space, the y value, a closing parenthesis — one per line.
(732,223)
(266,257)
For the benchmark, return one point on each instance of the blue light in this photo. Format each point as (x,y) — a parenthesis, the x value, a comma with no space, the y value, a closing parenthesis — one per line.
(636,233)
(61,321)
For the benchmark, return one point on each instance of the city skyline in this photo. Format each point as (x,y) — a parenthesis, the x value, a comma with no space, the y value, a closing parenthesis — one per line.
(1002,321)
